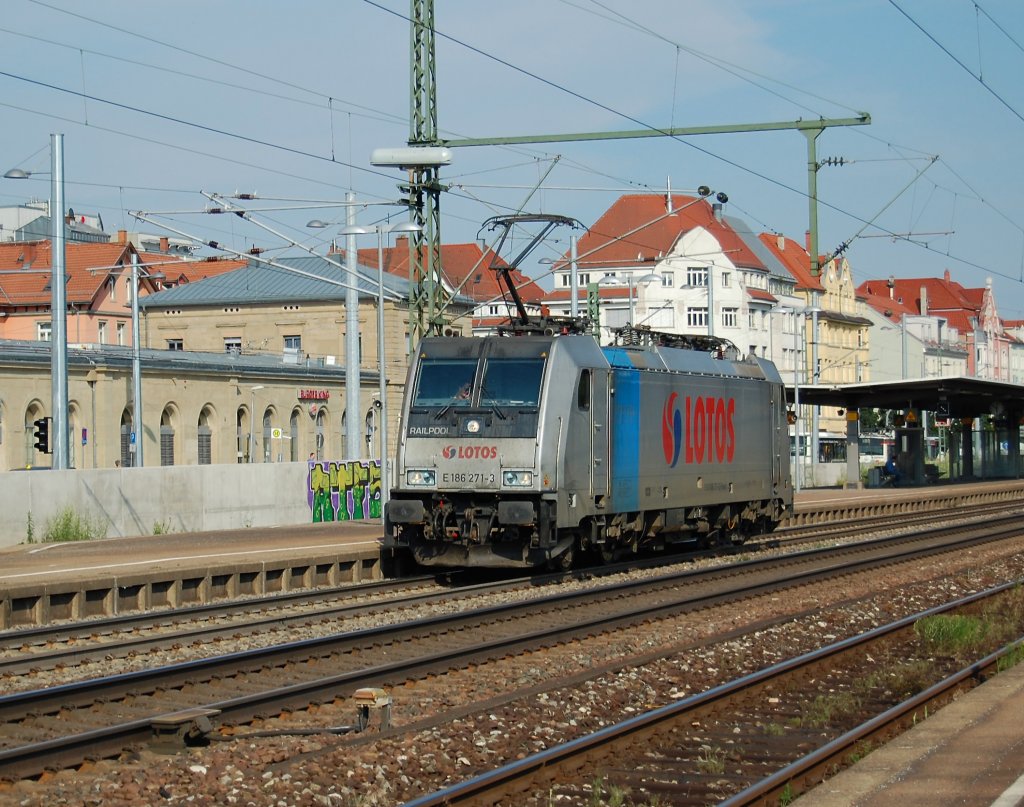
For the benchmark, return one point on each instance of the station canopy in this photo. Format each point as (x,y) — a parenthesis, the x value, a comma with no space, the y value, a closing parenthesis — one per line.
(956,397)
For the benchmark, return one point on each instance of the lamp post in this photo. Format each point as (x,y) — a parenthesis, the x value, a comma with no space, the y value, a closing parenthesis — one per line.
(354,230)
(252,421)
(140,437)
(58,304)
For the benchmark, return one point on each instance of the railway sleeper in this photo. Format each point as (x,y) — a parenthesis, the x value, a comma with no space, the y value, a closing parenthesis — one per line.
(173,733)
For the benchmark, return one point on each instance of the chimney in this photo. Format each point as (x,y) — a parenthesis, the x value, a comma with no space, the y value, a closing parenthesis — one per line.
(122,236)
(780,241)
(946,276)
(716,210)
(924,301)
(165,244)
(891,282)
(807,241)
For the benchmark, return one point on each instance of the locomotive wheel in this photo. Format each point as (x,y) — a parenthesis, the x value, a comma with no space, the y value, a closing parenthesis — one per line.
(563,562)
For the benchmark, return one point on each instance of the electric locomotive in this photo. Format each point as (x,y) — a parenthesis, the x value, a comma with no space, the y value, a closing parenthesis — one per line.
(524,450)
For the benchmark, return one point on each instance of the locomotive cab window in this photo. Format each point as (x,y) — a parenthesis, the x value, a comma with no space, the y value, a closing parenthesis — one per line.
(445,382)
(512,382)
(583,391)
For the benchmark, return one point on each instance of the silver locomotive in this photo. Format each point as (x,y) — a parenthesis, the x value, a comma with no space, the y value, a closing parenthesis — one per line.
(524,451)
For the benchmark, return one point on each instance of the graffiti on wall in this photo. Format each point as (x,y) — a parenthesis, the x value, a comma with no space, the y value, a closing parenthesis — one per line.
(343,491)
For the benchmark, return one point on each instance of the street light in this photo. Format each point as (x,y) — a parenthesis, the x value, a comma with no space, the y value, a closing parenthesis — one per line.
(252,421)
(140,437)
(58,304)
(354,230)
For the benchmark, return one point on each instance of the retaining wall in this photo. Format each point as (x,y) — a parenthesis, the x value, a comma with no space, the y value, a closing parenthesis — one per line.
(141,501)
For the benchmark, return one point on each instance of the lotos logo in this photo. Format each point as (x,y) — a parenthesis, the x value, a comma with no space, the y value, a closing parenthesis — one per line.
(469,452)
(671,430)
(710,432)
(707,430)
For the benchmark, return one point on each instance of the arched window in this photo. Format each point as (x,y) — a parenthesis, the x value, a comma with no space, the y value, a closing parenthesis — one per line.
(204,435)
(371,431)
(166,437)
(293,432)
(242,434)
(73,444)
(268,421)
(126,437)
(33,413)
(320,429)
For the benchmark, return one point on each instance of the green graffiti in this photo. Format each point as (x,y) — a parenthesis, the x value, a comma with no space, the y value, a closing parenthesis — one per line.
(323,510)
(344,491)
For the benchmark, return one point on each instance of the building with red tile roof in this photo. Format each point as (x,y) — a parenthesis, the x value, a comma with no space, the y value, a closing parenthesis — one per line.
(468,271)
(653,257)
(98,288)
(960,316)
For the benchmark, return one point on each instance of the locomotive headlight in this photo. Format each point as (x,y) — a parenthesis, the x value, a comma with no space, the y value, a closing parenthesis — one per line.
(517,479)
(420,478)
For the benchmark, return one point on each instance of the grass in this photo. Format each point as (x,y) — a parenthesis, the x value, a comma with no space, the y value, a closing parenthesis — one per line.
(69,525)
(955,635)
(711,760)
(827,708)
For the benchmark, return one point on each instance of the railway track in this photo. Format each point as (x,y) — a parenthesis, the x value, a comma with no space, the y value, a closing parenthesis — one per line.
(762,739)
(61,726)
(26,652)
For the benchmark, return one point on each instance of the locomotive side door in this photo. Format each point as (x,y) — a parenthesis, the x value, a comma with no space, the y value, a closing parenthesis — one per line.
(779,439)
(600,431)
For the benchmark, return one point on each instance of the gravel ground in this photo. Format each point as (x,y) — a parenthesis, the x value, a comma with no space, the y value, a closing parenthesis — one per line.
(505,710)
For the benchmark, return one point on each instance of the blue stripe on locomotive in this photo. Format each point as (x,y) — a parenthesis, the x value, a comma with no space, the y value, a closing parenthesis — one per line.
(625,440)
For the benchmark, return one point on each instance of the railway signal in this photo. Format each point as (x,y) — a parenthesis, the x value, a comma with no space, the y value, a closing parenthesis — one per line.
(42,434)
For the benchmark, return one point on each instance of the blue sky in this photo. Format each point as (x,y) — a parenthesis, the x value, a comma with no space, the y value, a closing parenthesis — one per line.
(160,101)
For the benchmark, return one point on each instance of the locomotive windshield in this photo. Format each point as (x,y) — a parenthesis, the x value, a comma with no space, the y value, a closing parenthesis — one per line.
(445,382)
(512,382)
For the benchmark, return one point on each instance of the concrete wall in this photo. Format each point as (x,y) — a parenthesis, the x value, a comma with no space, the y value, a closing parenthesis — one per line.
(133,501)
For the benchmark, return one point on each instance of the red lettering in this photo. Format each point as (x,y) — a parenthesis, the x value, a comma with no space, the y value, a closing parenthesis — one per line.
(709,407)
(698,430)
(689,446)
(730,445)
(710,430)
(720,430)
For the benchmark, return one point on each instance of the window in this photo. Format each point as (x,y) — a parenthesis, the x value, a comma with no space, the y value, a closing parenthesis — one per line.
(233,344)
(442,382)
(166,438)
(584,278)
(175,344)
(293,344)
(668,279)
(583,391)
(730,317)
(696,276)
(120,333)
(112,283)
(101,332)
(725,280)
(696,317)
(511,382)
(44,331)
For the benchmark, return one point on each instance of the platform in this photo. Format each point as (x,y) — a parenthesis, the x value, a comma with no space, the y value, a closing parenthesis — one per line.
(969,753)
